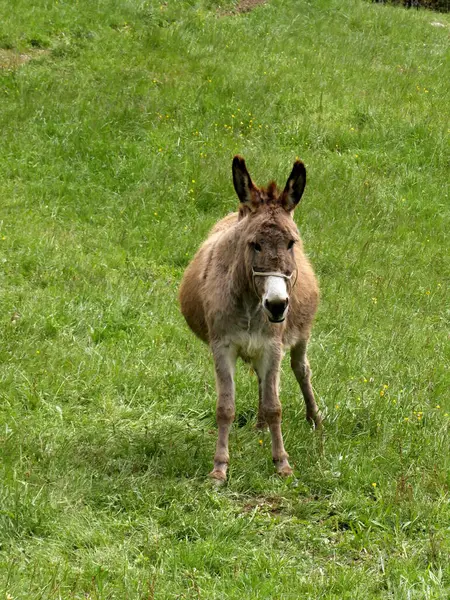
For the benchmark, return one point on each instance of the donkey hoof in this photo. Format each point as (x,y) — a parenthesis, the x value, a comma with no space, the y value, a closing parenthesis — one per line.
(316,420)
(217,478)
(283,468)
(218,475)
(285,471)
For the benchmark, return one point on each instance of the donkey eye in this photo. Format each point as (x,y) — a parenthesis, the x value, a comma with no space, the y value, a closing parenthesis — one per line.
(291,244)
(257,247)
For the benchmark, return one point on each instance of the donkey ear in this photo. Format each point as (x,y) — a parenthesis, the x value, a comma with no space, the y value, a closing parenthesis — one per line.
(295,186)
(242,181)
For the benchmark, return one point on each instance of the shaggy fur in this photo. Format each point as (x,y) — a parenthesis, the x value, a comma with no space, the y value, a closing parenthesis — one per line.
(222,302)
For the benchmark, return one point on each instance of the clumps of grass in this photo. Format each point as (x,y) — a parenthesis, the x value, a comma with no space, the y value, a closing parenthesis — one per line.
(115,162)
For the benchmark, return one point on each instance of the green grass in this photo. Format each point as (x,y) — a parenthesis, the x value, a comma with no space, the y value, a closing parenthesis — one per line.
(115,160)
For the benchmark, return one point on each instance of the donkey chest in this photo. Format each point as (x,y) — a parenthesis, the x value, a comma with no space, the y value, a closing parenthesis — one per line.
(251,346)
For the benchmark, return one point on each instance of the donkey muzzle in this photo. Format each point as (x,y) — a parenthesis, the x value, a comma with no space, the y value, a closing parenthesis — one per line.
(276,310)
(275,299)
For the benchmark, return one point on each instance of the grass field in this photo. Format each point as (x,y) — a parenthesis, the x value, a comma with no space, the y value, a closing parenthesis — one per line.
(119,121)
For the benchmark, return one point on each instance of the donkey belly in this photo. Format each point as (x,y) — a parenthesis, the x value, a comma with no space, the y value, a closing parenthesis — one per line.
(191,303)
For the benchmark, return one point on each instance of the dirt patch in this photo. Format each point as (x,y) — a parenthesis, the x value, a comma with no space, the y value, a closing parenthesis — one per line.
(244,6)
(269,504)
(12,59)
(247,5)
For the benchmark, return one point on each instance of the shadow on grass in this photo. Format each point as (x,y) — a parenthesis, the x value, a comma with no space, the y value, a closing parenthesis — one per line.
(163,449)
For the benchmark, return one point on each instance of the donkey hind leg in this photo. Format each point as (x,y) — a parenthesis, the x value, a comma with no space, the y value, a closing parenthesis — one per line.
(225,362)
(268,372)
(302,371)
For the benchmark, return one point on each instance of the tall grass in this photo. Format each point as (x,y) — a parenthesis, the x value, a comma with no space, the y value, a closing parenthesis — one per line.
(115,160)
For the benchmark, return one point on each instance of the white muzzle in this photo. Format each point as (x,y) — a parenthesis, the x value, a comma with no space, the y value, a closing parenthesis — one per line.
(275,299)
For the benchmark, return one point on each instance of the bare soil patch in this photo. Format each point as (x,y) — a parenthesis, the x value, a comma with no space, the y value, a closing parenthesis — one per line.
(244,6)
(248,5)
(269,504)
(12,59)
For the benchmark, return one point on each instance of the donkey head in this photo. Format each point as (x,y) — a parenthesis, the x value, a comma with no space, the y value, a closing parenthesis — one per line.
(269,236)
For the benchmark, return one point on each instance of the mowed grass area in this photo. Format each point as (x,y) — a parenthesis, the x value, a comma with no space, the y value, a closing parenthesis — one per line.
(115,160)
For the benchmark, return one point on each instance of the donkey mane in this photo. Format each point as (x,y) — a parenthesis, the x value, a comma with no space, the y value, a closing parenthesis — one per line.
(270,193)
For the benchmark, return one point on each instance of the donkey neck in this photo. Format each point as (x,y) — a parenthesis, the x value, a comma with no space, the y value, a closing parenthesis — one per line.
(241,274)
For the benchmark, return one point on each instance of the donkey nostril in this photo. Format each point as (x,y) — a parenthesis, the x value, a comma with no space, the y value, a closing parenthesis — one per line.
(276,308)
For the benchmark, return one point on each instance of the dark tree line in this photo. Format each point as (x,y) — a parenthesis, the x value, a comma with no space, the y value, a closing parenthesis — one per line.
(442,5)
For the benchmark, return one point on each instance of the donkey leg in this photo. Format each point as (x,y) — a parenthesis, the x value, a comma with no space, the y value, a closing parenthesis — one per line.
(261,421)
(302,371)
(225,362)
(271,408)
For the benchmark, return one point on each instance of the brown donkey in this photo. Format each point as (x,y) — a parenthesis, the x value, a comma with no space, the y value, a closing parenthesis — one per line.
(251,292)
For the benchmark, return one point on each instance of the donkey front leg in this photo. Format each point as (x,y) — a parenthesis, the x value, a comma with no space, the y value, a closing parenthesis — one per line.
(269,373)
(302,371)
(225,362)
(261,421)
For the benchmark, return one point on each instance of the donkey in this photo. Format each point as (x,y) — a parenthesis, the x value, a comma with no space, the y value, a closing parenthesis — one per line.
(250,292)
